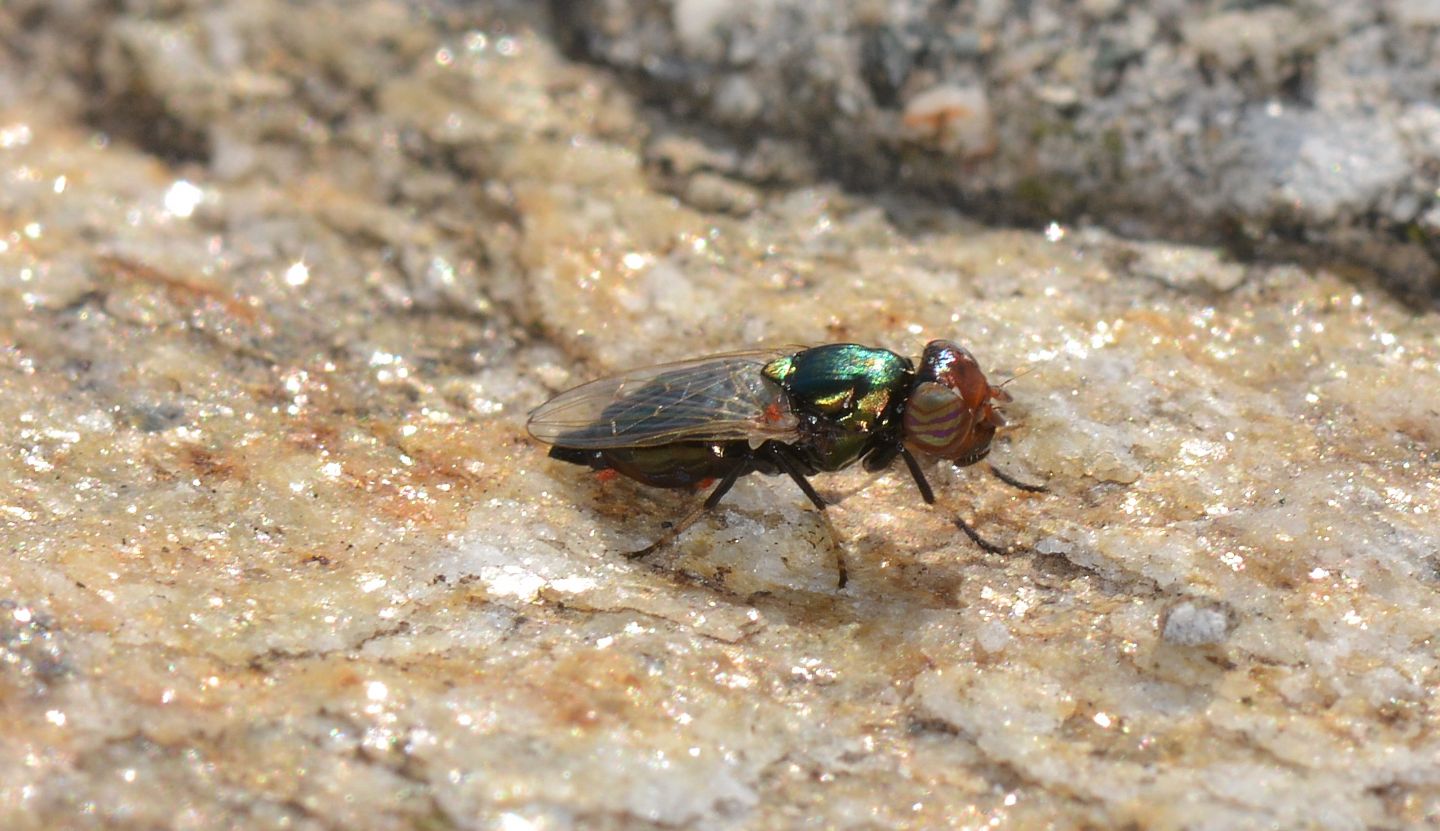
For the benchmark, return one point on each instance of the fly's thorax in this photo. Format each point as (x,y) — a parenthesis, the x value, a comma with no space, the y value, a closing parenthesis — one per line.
(860,386)
(949,411)
(848,396)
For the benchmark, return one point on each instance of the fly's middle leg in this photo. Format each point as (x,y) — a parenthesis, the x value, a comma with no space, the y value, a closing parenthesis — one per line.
(778,455)
(792,469)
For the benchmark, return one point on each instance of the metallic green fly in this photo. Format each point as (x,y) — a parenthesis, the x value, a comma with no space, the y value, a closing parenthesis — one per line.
(798,413)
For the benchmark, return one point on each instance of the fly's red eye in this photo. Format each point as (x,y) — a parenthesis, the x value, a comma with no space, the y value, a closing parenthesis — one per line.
(951,412)
(936,420)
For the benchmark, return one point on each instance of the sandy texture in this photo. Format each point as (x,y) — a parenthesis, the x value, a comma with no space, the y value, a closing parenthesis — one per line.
(278,284)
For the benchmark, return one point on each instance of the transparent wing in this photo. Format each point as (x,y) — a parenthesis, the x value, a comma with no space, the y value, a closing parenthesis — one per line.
(715,398)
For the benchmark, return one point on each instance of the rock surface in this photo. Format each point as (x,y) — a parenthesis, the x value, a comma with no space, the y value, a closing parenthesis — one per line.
(278,284)
(1302,130)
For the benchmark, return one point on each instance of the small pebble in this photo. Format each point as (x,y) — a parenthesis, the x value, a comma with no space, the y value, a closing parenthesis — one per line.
(993,636)
(1193,624)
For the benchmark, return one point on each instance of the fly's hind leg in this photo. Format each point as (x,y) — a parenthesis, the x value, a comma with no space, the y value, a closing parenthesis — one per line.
(841,571)
(695,513)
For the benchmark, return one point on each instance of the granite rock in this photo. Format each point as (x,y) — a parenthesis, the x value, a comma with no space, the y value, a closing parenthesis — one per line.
(279,283)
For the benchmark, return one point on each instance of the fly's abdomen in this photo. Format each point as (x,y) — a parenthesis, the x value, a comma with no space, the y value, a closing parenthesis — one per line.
(677,465)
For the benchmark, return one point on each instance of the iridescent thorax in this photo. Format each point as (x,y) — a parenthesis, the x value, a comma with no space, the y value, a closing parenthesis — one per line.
(847,397)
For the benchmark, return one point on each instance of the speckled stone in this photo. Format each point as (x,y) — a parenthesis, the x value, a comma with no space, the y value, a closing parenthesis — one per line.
(278,287)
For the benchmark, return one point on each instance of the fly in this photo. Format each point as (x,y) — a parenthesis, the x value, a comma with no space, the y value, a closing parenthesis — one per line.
(772,412)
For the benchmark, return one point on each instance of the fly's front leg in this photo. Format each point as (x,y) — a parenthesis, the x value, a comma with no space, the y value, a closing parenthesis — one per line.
(928,495)
(1016,483)
(980,542)
(919,476)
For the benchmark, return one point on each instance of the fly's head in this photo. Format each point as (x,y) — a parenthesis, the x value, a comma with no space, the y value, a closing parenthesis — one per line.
(952,411)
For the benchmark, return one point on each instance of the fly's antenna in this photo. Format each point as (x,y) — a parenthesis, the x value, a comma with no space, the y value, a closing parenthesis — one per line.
(1000,474)
(999,396)
(1019,373)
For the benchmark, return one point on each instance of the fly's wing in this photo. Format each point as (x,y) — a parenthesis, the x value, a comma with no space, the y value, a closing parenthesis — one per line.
(708,399)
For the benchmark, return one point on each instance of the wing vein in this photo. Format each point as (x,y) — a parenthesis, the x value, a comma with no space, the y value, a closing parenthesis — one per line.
(717,398)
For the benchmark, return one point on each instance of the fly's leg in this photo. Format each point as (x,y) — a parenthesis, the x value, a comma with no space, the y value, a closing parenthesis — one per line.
(1016,483)
(785,463)
(980,542)
(842,572)
(695,513)
(919,475)
(791,469)
(929,496)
